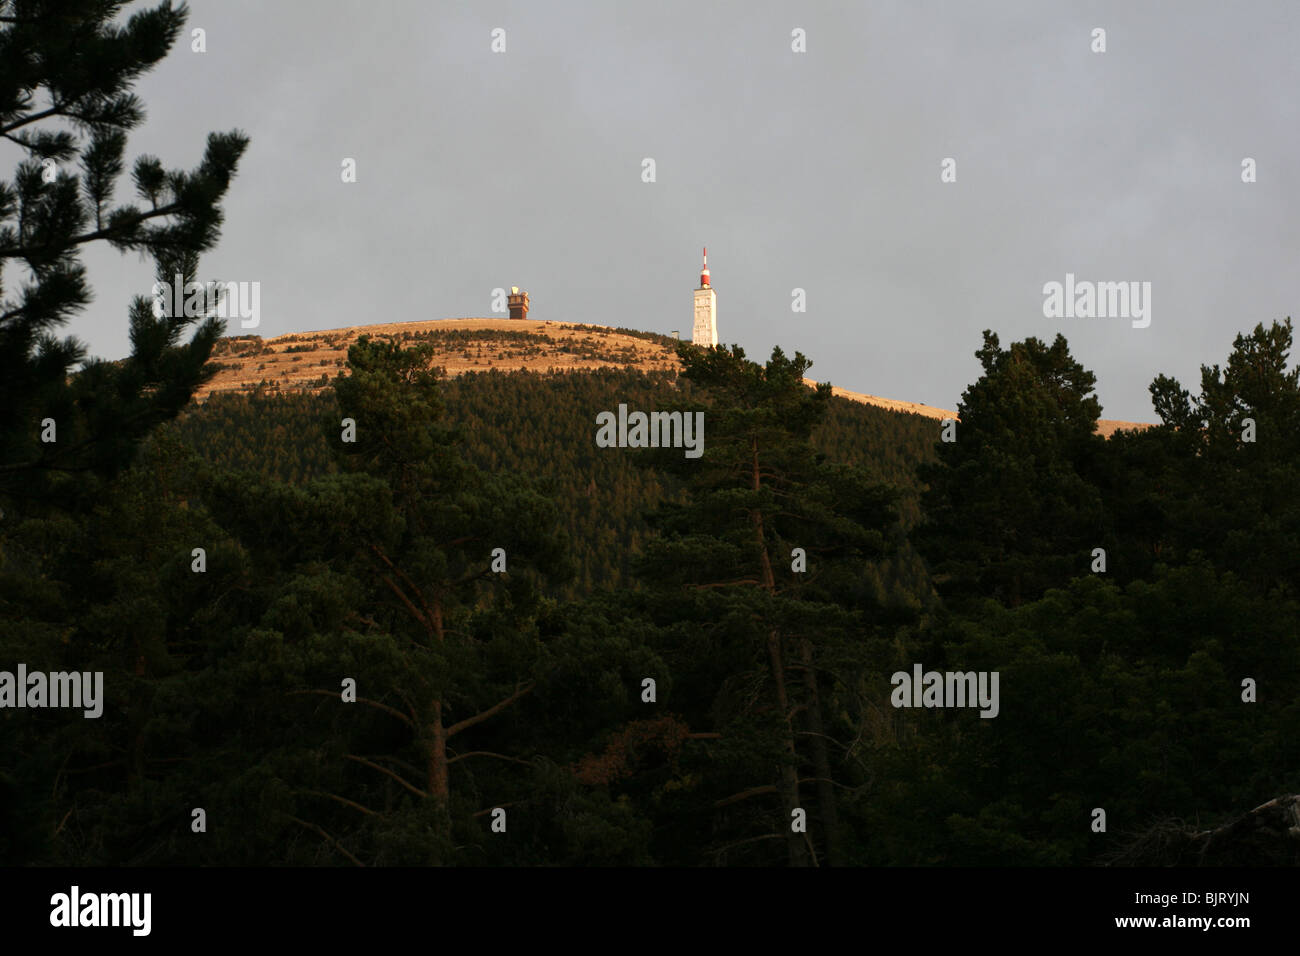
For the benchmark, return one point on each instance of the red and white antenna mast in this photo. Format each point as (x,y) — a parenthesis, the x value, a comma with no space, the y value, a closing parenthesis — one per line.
(704,272)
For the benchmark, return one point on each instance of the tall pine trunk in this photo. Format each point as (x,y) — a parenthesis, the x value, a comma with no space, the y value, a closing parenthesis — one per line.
(788,786)
(821,759)
(439,786)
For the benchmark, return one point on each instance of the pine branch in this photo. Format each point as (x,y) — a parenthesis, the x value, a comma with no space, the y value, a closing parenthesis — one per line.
(26,252)
(744,795)
(384,770)
(415,613)
(487,753)
(343,800)
(55,110)
(760,791)
(766,836)
(361,700)
(428,617)
(335,843)
(495,709)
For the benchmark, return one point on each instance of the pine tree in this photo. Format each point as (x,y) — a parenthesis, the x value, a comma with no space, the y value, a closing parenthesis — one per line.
(383,573)
(765,649)
(89,560)
(66,72)
(1225,464)
(1012,506)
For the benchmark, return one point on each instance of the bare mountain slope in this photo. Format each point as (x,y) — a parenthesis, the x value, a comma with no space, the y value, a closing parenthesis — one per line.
(305,361)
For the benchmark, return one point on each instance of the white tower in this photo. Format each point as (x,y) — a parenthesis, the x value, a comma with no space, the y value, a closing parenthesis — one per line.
(706,310)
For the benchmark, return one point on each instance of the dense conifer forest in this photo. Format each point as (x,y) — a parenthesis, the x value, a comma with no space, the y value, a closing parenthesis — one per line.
(541,425)
(326,561)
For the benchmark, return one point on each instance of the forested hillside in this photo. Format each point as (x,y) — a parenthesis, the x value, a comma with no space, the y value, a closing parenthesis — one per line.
(369,625)
(542,425)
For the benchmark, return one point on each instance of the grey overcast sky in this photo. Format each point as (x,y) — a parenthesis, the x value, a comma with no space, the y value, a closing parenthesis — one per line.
(817,170)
